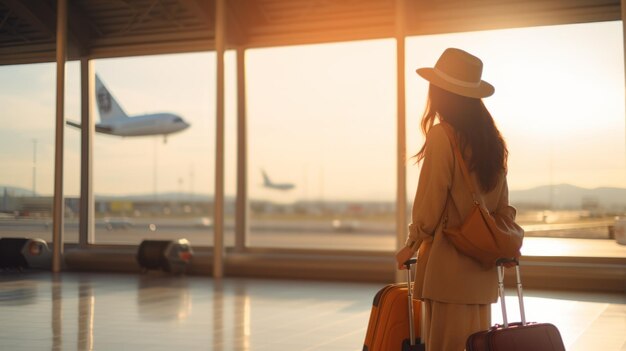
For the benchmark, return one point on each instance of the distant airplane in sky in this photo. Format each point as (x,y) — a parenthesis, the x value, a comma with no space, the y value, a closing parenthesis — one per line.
(114,121)
(277,186)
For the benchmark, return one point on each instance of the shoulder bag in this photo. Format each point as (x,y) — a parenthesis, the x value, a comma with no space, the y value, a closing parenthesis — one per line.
(481,236)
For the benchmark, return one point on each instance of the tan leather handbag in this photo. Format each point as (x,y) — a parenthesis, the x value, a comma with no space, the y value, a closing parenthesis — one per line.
(482,236)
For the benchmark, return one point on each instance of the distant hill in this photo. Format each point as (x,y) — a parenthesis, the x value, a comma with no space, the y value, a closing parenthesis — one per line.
(13,191)
(569,196)
(564,196)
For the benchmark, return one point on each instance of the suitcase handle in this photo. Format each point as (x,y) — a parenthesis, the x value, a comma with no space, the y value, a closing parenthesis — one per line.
(408,264)
(500,266)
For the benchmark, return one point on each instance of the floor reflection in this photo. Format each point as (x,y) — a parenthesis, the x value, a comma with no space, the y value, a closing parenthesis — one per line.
(163,297)
(19,293)
(243,321)
(86,307)
(163,312)
(218,315)
(57,312)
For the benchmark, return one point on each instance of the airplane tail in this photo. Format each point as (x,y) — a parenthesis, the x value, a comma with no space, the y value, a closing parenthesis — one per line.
(266,179)
(107,105)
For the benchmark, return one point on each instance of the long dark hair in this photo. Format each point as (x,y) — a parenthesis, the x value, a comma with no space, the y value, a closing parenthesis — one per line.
(476,129)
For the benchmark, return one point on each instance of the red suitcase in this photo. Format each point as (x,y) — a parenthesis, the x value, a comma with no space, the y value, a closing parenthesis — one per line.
(521,336)
(390,328)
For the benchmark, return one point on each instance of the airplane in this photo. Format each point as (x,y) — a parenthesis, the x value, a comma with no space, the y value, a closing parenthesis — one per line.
(277,186)
(114,121)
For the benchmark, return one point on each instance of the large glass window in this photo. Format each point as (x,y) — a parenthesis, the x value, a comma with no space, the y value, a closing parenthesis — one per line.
(28,151)
(559,102)
(27,140)
(159,185)
(322,132)
(150,181)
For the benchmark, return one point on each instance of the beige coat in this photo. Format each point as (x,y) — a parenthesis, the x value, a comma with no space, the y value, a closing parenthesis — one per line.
(446,275)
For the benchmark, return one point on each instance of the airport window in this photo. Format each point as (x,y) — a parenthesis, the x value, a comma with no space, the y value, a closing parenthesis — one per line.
(28,144)
(322,133)
(559,102)
(27,156)
(71,157)
(153,179)
(150,181)
(321,148)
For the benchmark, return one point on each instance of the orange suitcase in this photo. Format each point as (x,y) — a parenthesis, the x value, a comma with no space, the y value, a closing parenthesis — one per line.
(389,327)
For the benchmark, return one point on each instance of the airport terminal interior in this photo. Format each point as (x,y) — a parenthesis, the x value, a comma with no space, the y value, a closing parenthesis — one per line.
(261,152)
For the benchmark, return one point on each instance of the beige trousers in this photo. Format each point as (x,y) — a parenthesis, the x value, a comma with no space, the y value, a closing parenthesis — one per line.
(447,326)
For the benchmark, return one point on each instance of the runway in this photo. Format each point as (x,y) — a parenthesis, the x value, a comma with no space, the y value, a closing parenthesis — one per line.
(276,234)
(309,234)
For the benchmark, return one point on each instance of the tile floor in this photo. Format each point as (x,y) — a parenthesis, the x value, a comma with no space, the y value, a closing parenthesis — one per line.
(90,311)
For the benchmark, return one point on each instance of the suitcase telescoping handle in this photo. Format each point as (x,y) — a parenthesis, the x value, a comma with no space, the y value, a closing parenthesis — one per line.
(500,265)
(410,296)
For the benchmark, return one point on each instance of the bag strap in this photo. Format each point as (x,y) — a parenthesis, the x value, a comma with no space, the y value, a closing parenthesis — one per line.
(459,157)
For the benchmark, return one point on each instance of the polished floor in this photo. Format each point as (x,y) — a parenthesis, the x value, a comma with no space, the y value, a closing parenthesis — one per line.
(89,311)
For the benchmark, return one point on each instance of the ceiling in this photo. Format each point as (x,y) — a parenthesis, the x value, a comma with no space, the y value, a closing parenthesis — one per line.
(115,28)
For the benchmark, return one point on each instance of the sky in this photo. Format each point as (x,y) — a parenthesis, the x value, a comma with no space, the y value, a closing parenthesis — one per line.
(559,99)
(324,116)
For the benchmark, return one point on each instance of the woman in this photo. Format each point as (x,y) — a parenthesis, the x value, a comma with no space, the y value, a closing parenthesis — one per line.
(457,290)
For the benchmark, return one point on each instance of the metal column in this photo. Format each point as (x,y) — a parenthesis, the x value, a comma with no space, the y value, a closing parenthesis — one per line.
(401,220)
(218,198)
(86,221)
(59,203)
(241,216)
(624,48)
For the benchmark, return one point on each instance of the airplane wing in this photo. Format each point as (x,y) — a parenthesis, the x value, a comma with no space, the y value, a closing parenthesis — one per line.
(99,128)
(103,129)
(73,124)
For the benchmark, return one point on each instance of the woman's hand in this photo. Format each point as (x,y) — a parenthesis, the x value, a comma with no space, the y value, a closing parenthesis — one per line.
(403,255)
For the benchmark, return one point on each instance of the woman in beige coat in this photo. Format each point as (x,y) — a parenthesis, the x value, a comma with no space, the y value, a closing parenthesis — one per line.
(457,290)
